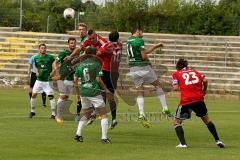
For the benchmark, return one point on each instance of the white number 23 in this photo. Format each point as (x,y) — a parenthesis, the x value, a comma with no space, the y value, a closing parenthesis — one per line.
(192,76)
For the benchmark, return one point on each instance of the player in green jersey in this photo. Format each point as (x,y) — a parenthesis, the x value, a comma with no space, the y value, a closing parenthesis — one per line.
(142,72)
(82,27)
(43,64)
(64,85)
(89,71)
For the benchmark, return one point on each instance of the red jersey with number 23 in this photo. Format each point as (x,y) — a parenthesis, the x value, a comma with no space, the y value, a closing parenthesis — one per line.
(190,83)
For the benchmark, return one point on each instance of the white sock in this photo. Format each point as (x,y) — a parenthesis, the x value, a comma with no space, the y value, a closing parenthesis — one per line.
(53,106)
(81,124)
(140,102)
(104,124)
(162,98)
(33,103)
(60,107)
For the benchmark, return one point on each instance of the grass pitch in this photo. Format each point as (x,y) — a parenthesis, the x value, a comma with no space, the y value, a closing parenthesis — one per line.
(40,138)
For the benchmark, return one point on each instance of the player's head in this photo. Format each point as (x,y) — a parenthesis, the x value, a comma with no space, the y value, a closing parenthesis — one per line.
(92,36)
(91,51)
(181,63)
(42,48)
(72,42)
(137,31)
(82,27)
(113,36)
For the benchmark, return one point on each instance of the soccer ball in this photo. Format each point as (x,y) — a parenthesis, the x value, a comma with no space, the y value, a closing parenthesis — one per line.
(68,13)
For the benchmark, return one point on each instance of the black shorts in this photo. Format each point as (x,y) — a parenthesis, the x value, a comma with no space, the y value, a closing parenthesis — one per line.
(110,80)
(33,79)
(184,112)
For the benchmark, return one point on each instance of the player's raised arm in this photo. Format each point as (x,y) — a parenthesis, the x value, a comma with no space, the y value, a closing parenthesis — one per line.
(74,53)
(145,52)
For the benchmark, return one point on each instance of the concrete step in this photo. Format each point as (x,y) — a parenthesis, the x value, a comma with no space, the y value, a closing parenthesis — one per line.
(14,66)
(14,60)
(31,46)
(37,35)
(13,71)
(202,47)
(205,63)
(15,55)
(9,29)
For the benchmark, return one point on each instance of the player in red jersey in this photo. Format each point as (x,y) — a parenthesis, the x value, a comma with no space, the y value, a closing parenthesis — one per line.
(193,87)
(93,40)
(110,54)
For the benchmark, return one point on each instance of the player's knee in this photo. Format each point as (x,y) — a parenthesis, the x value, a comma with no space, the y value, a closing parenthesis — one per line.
(50,97)
(34,95)
(63,97)
(206,120)
(177,122)
(103,116)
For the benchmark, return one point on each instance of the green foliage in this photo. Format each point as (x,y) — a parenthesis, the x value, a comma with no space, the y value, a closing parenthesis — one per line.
(168,16)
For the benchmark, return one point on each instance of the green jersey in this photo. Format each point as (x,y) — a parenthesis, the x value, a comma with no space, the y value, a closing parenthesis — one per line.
(44,66)
(134,47)
(59,59)
(88,70)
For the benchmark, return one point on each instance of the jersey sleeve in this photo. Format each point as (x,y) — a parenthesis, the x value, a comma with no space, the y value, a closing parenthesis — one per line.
(141,44)
(31,60)
(99,72)
(52,59)
(60,57)
(199,75)
(86,43)
(106,48)
(101,50)
(174,79)
(35,61)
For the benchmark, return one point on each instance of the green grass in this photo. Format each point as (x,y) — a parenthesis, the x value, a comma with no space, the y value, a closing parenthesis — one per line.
(40,138)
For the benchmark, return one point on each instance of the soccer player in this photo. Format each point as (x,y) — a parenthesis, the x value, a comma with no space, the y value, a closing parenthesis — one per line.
(82,27)
(142,72)
(93,40)
(110,53)
(43,62)
(33,78)
(89,71)
(193,88)
(64,85)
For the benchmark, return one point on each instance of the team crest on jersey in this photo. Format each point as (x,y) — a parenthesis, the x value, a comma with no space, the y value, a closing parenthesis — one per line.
(42,65)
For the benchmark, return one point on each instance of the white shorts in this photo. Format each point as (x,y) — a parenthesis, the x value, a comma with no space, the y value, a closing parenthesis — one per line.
(97,102)
(143,75)
(40,87)
(65,87)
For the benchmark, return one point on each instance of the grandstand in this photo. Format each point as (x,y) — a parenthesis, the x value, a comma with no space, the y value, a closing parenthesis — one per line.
(214,56)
